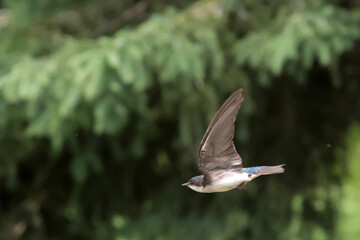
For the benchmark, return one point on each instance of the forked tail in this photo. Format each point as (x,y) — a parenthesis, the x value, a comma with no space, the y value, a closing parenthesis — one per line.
(266,170)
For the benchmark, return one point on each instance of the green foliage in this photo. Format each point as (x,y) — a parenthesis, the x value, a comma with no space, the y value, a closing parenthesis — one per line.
(103,105)
(101,72)
(296,38)
(350,210)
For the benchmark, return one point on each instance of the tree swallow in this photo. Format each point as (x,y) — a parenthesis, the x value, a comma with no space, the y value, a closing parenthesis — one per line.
(218,160)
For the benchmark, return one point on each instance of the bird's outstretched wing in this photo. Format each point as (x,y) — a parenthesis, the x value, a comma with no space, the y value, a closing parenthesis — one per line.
(217,150)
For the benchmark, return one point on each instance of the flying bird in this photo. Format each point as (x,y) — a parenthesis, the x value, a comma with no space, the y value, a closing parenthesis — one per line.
(218,159)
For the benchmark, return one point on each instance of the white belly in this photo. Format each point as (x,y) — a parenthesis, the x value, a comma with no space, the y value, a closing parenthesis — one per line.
(224,182)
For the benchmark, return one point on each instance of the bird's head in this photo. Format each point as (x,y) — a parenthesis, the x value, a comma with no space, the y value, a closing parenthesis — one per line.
(194,182)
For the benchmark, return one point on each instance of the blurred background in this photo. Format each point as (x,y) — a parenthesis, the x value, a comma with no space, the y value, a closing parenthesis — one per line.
(103,105)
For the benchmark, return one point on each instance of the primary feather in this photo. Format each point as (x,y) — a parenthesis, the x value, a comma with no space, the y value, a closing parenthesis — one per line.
(217,150)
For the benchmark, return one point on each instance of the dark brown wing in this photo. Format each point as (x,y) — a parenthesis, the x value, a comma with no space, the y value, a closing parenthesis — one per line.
(217,150)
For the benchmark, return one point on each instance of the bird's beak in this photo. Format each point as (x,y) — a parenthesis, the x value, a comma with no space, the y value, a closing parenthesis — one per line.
(184,184)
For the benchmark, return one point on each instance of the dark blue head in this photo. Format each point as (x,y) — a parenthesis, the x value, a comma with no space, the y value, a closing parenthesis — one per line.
(195,181)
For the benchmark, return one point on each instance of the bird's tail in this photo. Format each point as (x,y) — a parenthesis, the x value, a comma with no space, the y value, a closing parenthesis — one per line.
(266,170)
